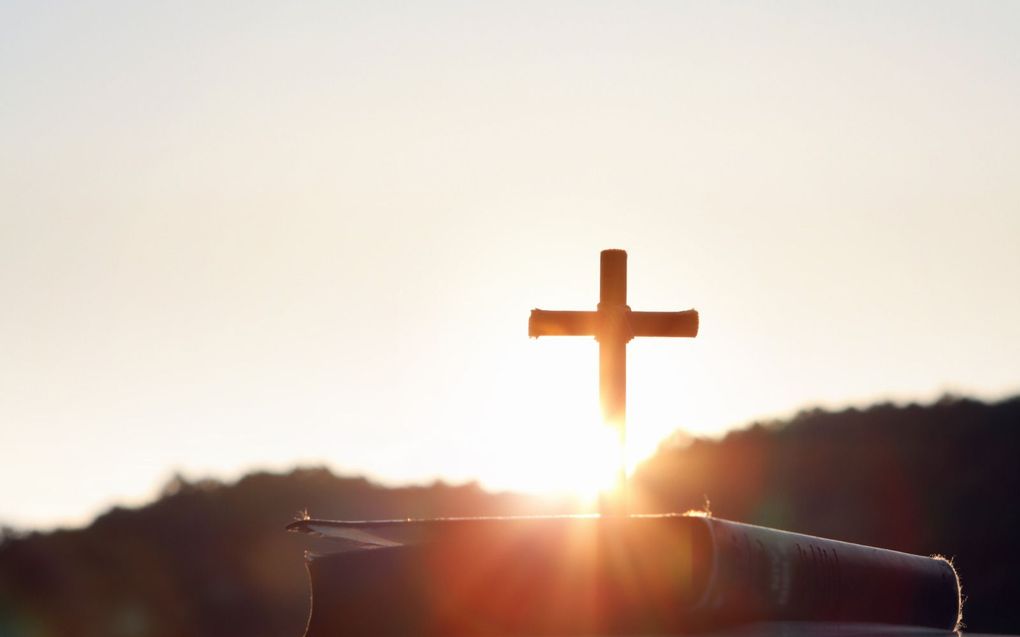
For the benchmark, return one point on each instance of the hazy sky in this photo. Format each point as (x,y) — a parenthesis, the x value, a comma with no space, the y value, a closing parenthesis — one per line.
(239,235)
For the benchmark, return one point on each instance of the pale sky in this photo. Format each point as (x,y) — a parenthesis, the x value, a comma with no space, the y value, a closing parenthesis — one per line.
(250,235)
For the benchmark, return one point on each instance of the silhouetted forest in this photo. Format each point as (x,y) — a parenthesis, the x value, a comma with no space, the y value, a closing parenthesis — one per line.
(212,559)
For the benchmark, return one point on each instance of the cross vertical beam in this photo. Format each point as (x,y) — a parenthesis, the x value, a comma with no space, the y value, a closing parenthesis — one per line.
(613,334)
(613,325)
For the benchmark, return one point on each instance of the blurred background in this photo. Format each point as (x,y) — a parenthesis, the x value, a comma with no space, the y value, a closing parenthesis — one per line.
(257,258)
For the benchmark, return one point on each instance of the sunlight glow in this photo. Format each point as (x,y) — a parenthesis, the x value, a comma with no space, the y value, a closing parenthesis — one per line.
(590,467)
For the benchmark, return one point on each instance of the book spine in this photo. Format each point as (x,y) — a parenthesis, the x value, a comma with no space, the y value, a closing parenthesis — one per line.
(764,574)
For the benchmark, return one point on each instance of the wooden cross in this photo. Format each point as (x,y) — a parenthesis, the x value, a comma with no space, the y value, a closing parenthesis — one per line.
(613,324)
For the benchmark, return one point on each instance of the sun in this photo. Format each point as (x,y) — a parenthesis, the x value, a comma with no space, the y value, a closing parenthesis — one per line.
(551,439)
(588,465)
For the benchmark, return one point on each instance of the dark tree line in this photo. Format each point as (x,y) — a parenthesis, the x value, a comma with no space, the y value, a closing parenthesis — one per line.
(211,559)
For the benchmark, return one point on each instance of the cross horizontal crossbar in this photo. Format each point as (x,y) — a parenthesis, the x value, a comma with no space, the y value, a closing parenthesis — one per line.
(570,323)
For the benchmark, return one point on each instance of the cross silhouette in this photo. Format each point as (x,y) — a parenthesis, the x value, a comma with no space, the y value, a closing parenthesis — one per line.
(613,324)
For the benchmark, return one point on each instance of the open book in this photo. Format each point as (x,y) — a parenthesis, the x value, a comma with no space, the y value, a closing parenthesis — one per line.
(586,575)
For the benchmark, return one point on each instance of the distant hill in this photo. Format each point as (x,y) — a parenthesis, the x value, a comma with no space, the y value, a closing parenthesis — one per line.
(206,558)
(211,559)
